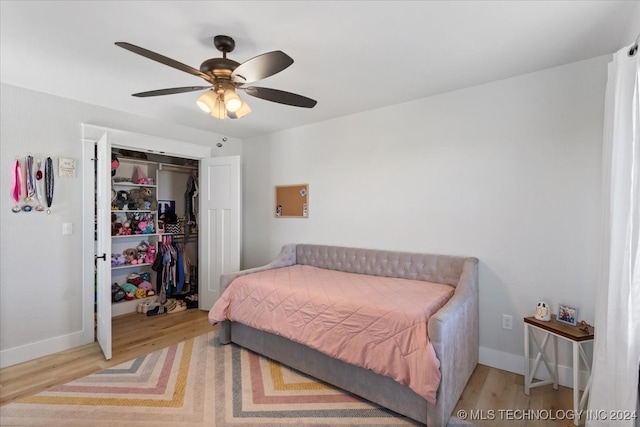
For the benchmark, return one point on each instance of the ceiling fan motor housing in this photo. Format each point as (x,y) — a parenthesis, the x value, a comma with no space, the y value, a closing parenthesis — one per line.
(219,67)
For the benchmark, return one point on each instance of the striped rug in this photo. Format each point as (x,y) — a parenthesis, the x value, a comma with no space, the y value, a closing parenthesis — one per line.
(196,383)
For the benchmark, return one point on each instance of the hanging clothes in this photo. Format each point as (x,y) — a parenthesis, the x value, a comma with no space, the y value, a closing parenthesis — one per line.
(179,269)
(169,266)
(157,267)
(191,200)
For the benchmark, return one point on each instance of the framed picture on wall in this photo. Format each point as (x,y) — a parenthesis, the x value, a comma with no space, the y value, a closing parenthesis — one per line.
(567,314)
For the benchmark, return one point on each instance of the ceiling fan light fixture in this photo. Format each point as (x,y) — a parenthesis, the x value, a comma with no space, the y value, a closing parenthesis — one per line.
(232,101)
(207,101)
(242,111)
(219,111)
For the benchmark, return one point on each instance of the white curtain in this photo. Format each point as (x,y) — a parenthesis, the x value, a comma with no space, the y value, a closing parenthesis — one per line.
(616,358)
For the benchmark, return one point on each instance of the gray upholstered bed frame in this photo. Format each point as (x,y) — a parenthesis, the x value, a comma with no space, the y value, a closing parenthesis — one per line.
(453,330)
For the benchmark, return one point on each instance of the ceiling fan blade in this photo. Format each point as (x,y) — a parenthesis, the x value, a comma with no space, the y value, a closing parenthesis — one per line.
(261,66)
(280,96)
(164,60)
(170,91)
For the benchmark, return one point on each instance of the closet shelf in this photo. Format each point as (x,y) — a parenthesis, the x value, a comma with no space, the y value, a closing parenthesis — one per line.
(120,267)
(128,236)
(131,184)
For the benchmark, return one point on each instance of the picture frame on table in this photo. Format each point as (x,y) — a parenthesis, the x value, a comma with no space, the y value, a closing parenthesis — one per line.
(567,314)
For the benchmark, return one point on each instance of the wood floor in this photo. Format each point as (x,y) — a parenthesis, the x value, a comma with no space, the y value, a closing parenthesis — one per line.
(134,335)
(493,397)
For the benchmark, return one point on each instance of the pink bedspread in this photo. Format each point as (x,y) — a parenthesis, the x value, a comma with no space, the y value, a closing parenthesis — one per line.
(378,323)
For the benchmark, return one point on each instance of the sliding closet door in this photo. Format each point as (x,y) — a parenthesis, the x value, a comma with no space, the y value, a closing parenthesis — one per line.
(219,224)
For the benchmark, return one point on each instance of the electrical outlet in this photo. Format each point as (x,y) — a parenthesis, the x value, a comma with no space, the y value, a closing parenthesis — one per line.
(507,321)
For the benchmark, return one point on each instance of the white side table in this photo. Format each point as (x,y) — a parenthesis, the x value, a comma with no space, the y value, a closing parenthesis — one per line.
(555,330)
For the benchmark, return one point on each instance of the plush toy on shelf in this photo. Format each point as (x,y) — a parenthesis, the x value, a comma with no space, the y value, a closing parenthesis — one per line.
(117,260)
(131,254)
(117,294)
(143,246)
(151,254)
(121,201)
(125,229)
(142,195)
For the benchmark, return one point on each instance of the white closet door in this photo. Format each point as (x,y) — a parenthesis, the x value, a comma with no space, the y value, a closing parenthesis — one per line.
(103,245)
(219,227)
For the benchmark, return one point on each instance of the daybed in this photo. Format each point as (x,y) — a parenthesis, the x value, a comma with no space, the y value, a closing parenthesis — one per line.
(451,329)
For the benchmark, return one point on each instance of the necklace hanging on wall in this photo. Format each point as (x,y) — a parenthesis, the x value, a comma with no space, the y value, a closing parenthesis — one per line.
(31,189)
(48,182)
(16,192)
(39,183)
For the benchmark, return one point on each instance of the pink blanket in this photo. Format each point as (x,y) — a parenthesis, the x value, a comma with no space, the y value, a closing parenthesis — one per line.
(378,323)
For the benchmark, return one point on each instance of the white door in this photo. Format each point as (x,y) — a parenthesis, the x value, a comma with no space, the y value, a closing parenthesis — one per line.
(103,245)
(219,227)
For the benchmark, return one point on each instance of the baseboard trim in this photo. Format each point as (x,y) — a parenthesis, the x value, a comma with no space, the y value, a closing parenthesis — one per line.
(24,353)
(515,363)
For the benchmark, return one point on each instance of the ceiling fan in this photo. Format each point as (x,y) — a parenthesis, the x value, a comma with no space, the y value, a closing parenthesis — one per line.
(225,76)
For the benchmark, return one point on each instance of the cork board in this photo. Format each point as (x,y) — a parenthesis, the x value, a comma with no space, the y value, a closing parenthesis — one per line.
(292,201)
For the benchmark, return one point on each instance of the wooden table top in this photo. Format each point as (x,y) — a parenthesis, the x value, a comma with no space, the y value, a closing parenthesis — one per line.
(573,333)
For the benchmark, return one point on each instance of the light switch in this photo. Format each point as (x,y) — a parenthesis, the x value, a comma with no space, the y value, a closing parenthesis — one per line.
(67,228)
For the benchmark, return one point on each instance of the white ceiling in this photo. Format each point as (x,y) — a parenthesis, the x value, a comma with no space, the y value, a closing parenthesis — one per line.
(350,56)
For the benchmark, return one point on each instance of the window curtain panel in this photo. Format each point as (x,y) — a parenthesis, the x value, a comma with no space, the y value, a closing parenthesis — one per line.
(616,358)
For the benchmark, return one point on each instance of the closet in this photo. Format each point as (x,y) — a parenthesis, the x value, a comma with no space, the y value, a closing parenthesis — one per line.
(214,249)
(154,229)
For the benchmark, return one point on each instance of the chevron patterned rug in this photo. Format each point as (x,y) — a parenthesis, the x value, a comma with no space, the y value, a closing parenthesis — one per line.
(197,383)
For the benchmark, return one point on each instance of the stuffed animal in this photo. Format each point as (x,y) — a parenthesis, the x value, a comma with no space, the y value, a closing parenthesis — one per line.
(151,254)
(116,225)
(145,227)
(117,260)
(142,195)
(141,293)
(134,279)
(122,200)
(129,288)
(145,285)
(128,296)
(143,246)
(125,229)
(114,164)
(117,294)
(131,254)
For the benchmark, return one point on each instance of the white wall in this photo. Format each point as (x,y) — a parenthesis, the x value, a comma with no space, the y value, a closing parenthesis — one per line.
(41,286)
(508,172)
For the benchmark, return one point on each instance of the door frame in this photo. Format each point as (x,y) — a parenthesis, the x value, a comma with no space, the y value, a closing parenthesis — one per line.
(118,139)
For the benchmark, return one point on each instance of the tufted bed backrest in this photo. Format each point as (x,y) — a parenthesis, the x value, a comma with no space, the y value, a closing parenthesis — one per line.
(430,268)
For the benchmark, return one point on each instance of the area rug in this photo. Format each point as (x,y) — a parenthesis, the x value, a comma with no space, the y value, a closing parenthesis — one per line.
(198,383)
